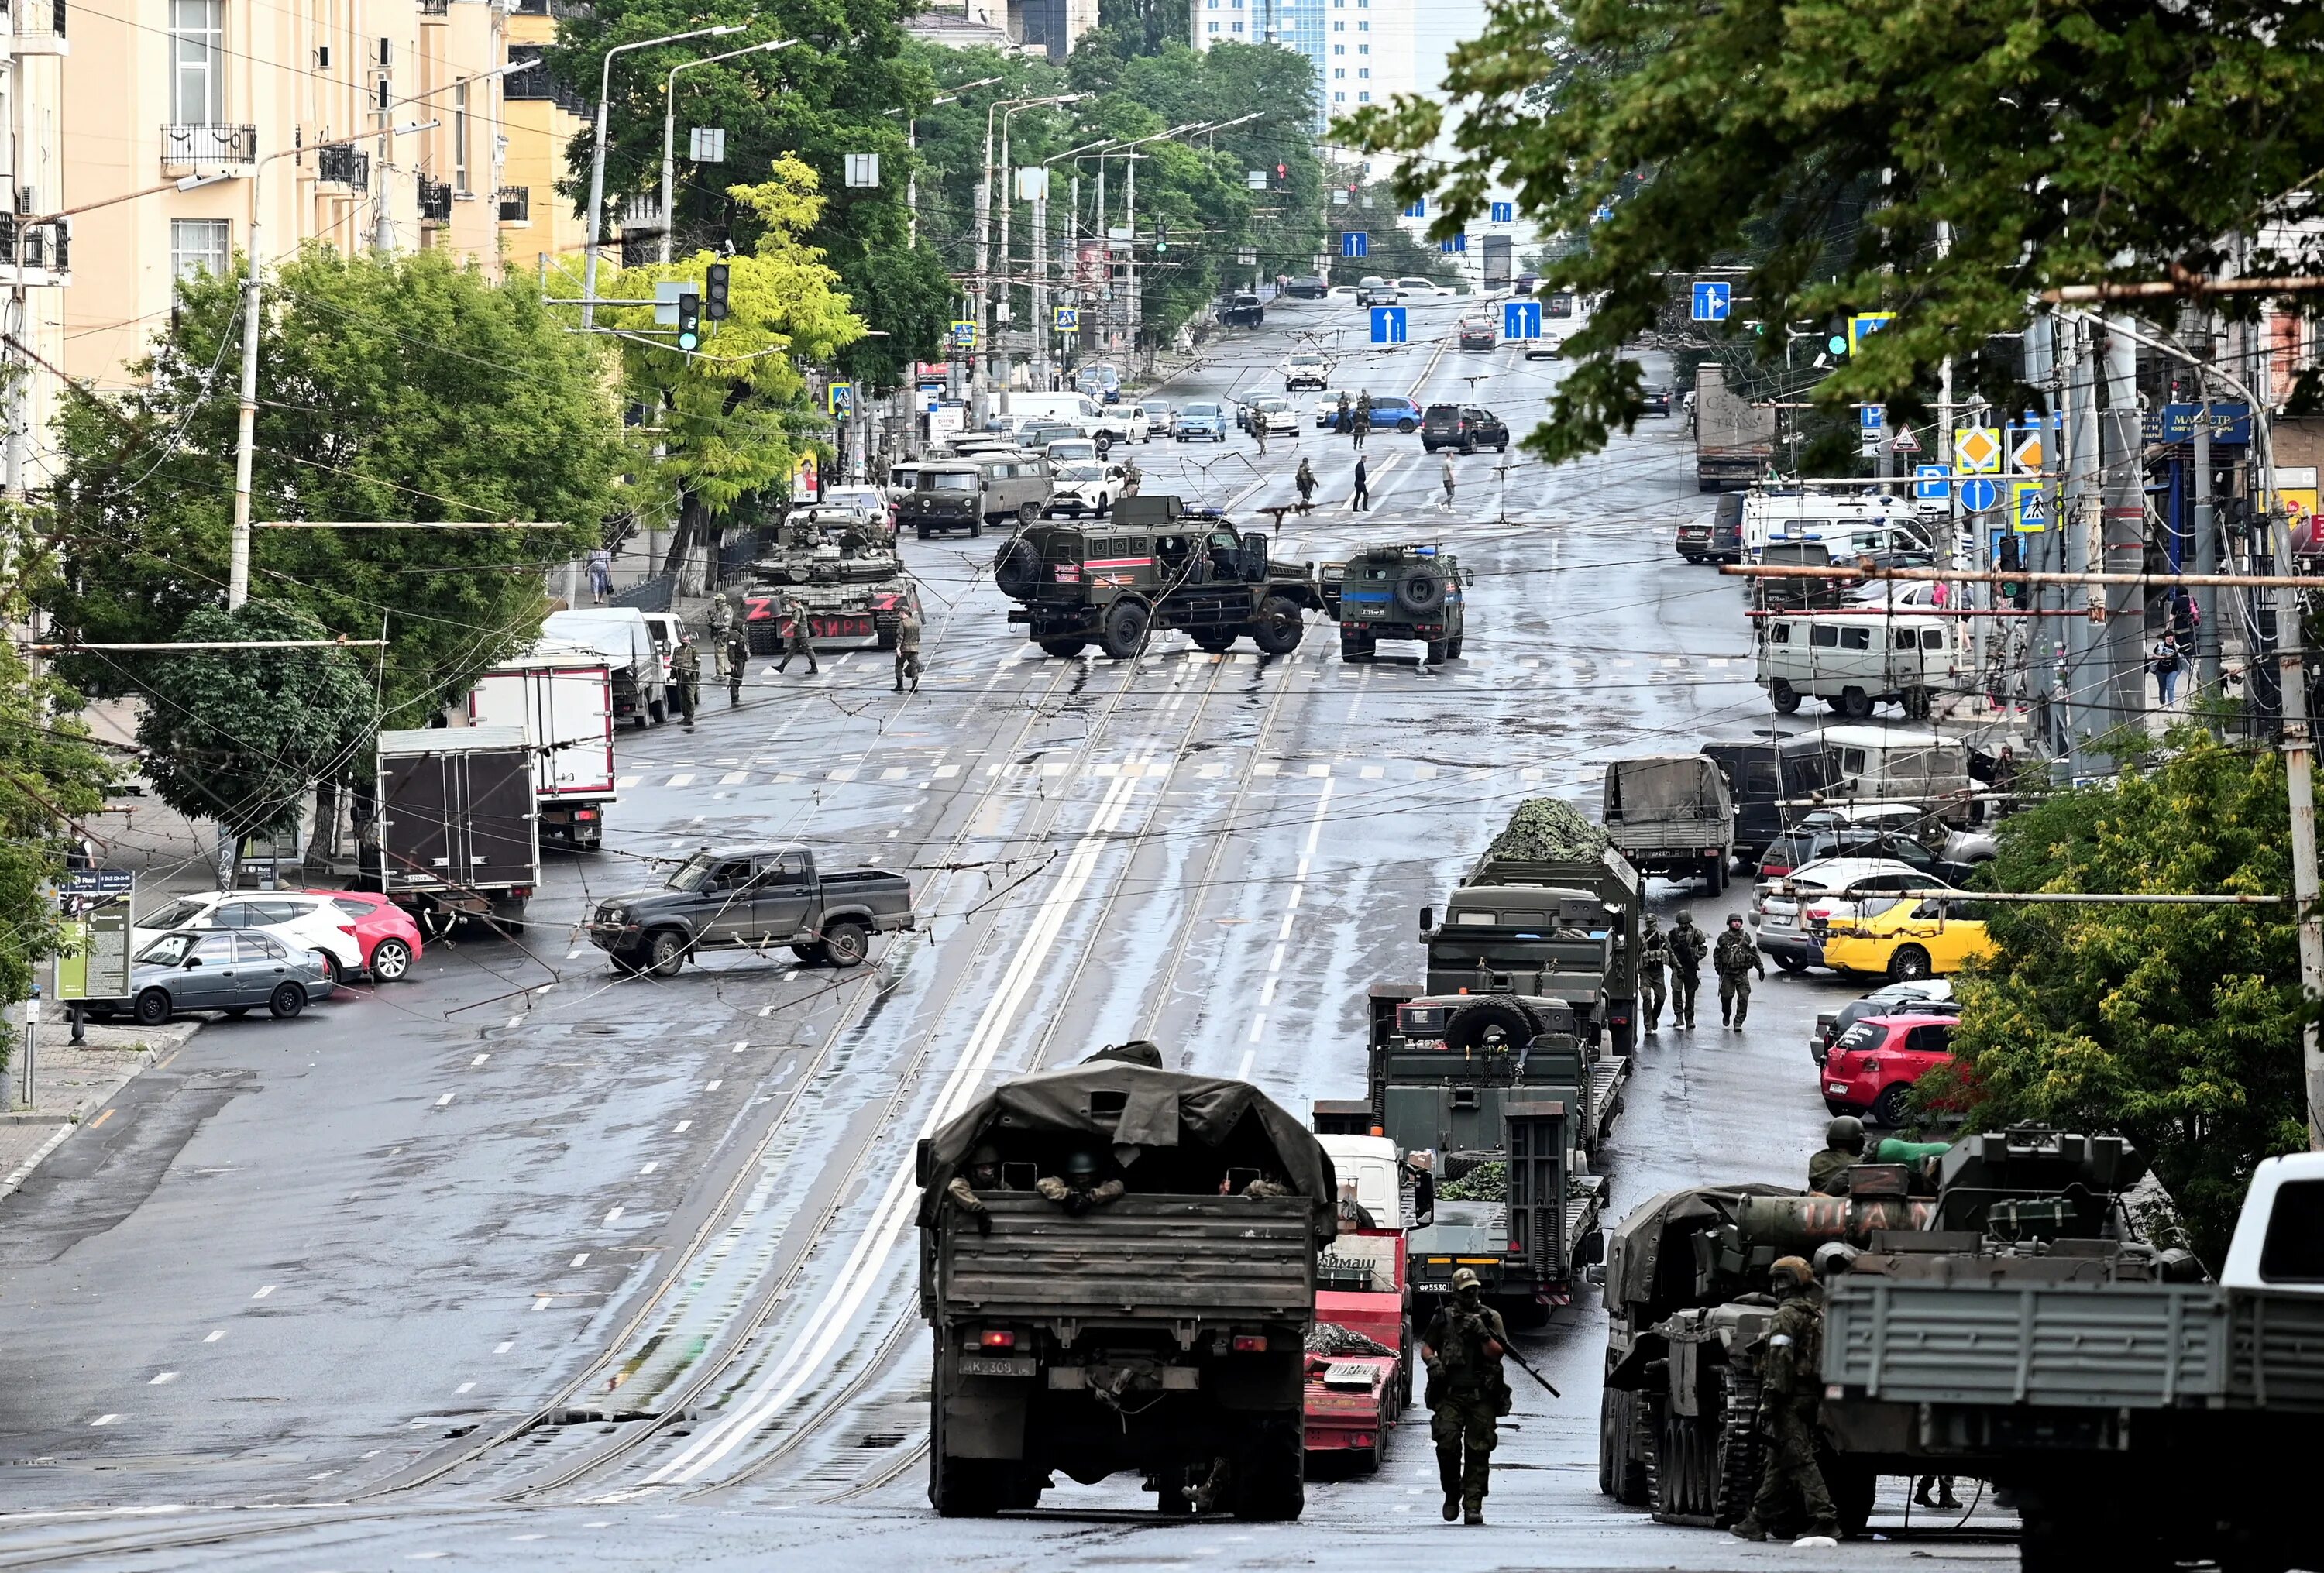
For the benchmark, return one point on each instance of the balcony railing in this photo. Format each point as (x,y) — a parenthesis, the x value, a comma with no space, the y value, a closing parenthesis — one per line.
(207,147)
(435,201)
(45,246)
(529,8)
(435,7)
(515,204)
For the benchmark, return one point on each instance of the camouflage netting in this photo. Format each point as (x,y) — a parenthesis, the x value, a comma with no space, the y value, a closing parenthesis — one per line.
(1546,830)
(1328,1337)
(1485,1183)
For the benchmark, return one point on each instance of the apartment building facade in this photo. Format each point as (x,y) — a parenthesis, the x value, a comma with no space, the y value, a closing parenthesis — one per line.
(35,253)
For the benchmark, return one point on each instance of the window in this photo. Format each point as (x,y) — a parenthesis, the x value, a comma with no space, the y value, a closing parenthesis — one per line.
(259,947)
(1855,639)
(1362,71)
(1932,638)
(1363,27)
(1779,633)
(1339,27)
(197,246)
(1363,49)
(1238,27)
(1339,48)
(2294,1249)
(216,950)
(1214,26)
(1363,97)
(197,62)
(1905,639)
(1340,72)
(1339,97)
(460,139)
(1823,636)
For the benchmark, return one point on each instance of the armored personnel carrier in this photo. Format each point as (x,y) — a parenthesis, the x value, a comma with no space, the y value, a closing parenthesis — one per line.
(1399,593)
(842,571)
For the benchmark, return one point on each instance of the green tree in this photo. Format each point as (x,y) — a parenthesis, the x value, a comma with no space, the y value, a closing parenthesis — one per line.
(408,388)
(242,736)
(2177,1027)
(1830,145)
(733,418)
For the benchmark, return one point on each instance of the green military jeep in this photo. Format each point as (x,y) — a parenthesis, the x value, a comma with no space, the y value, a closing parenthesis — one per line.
(1155,564)
(1398,593)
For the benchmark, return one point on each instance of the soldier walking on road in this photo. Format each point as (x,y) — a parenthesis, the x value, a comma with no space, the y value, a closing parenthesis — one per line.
(1306,481)
(1735,960)
(1790,1384)
(1363,422)
(908,650)
(1653,959)
(1687,948)
(1258,430)
(685,672)
(1361,499)
(1130,476)
(795,642)
(735,655)
(1462,1347)
(1843,1149)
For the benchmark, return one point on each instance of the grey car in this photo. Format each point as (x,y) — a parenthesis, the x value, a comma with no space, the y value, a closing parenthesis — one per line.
(234,971)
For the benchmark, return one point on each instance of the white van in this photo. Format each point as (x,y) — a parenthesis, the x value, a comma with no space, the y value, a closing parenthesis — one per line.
(1853,660)
(1903,764)
(620,634)
(1847,525)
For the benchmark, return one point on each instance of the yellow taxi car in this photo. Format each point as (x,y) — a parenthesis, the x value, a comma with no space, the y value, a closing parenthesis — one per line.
(1908,938)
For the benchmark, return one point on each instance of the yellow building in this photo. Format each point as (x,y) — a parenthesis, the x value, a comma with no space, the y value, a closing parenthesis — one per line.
(543,118)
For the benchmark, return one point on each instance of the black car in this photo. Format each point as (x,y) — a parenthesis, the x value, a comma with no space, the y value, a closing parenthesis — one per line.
(1242,311)
(1463,427)
(1308,289)
(1655,401)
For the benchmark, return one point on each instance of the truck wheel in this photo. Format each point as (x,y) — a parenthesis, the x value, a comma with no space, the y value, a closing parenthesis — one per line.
(1355,647)
(1890,1109)
(1908,964)
(974,530)
(1103,443)
(1217,640)
(1271,1481)
(1621,1473)
(1783,695)
(1436,656)
(1855,703)
(1854,1489)
(287,1001)
(1016,569)
(1029,514)
(924,532)
(847,943)
(152,1008)
(962,1487)
(1279,629)
(508,916)
(665,953)
(1714,874)
(1121,630)
(1451,649)
(657,712)
(1065,648)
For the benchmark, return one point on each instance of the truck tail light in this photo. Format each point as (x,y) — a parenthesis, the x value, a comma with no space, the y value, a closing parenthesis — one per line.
(1250,1343)
(584,813)
(997,1339)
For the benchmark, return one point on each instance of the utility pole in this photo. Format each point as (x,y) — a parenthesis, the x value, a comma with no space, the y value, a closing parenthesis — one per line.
(2076,525)
(2206,559)
(1041,313)
(1007,315)
(2123,530)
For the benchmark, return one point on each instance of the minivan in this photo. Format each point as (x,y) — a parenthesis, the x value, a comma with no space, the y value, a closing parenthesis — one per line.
(1772,781)
(1906,764)
(1832,519)
(1853,660)
(973,492)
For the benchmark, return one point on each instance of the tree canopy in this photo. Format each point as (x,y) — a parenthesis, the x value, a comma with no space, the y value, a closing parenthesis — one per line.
(2177,1027)
(406,387)
(1944,161)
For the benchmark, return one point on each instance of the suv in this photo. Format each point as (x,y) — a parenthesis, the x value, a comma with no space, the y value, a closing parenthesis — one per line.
(1305,370)
(1477,333)
(1242,311)
(1463,427)
(969,493)
(1398,593)
(1155,565)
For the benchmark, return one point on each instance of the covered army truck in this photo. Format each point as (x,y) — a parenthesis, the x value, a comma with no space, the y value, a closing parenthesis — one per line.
(1671,814)
(1161,1328)
(1569,929)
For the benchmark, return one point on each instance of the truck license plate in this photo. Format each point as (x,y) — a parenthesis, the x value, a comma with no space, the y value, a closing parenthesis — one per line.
(996,1365)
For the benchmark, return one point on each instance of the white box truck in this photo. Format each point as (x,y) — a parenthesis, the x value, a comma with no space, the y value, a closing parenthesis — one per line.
(562,695)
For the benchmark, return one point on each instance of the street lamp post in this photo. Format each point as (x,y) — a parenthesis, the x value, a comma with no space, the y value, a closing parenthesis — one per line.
(1043,354)
(597,159)
(669,128)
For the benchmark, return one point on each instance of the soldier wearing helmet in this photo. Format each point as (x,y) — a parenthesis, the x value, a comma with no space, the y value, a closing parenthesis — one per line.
(1791,1384)
(1843,1149)
(983,1173)
(1462,1347)
(1081,1189)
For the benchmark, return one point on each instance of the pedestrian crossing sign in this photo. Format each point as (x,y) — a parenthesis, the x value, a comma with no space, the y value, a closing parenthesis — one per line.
(1978,450)
(2029,508)
(964,335)
(1069,319)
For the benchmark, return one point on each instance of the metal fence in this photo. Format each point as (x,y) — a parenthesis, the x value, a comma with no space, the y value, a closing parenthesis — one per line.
(737,552)
(649,594)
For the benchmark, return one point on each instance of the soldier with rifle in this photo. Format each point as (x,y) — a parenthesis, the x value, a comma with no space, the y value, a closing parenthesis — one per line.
(1791,1384)
(1687,948)
(1654,959)
(686,670)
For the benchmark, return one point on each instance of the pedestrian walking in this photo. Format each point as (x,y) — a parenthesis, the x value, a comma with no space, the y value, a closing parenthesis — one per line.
(1445,503)
(601,574)
(1343,419)
(1653,962)
(1735,958)
(1790,1385)
(908,650)
(685,671)
(1306,481)
(2166,667)
(1468,1393)
(736,654)
(1687,948)
(792,619)
(1258,430)
(1362,499)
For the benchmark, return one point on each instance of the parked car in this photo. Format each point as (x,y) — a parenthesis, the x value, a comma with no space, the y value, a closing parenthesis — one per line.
(386,933)
(1477,333)
(1793,912)
(231,970)
(1207,421)
(1655,401)
(1344,293)
(1327,406)
(1072,450)
(1305,369)
(308,922)
(1931,997)
(1716,536)
(1161,417)
(1371,290)
(1310,288)
(1547,347)
(1905,940)
(1871,1068)
(1394,410)
(1036,436)
(1242,311)
(1275,412)
(1463,427)
(1089,487)
(1418,288)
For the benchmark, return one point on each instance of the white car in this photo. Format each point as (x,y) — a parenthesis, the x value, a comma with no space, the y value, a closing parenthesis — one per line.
(1345,293)
(1792,912)
(1422,289)
(1547,347)
(1086,487)
(1277,413)
(1306,369)
(1073,450)
(301,922)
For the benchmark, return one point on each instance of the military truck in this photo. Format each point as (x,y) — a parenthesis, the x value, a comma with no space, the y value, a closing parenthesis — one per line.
(1399,593)
(1570,928)
(843,574)
(1163,1332)
(1156,563)
(1671,814)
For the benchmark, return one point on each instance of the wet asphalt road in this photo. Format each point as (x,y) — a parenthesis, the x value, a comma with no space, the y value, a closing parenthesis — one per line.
(323,1273)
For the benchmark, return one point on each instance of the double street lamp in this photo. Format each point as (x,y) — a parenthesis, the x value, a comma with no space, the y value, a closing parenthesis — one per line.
(669,128)
(598,160)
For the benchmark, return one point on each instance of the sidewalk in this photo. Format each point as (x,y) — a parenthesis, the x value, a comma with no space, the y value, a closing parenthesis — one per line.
(72,1083)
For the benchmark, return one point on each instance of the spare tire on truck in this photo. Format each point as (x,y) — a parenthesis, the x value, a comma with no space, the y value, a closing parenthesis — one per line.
(1016,568)
(1420,590)
(1468,1028)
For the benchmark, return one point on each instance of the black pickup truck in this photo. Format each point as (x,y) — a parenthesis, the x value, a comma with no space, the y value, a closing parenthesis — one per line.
(751,899)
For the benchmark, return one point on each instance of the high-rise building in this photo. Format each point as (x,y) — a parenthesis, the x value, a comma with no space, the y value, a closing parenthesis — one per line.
(1360,51)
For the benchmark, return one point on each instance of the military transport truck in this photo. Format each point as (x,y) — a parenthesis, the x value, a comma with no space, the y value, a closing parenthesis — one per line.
(1156,564)
(1163,1332)
(1399,593)
(1571,929)
(1671,814)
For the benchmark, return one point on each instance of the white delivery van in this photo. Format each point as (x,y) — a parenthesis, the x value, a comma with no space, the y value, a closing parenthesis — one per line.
(620,634)
(1847,525)
(1904,764)
(1074,407)
(562,695)
(1853,660)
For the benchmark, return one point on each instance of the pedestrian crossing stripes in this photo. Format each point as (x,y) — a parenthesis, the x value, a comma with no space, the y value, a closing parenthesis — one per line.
(921,773)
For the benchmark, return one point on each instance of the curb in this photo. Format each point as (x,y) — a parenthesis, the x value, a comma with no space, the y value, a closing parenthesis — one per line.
(69,1123)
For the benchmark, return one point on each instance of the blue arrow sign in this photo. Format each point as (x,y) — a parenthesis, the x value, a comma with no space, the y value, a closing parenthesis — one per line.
(1505,213)
(1521,319)
(1979,494)
(1931,482)
(1418,209)
(1355,243)
(1712,301)
(1387,325)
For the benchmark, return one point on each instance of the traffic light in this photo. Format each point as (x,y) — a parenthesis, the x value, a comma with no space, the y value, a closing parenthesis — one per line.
(689,323)
(2018,592)
(1161,237)
(1282,171)
(714,291)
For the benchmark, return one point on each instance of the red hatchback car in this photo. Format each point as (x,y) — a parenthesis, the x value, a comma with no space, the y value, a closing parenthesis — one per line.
(389,938)
(1871,1069)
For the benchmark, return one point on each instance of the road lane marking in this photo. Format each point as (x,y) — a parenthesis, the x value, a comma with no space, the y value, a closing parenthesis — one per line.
(581,1260)
(105,1419)
(1266,994)
(164,1377)
(479,1059)
(612,1214)
(503,1349)
(214,1337)
(651,1168)
(263,1292)
(710,1087)
(624,783)
(446,1098)
(100,1119)
(741,1046)
(680,1128)
(540,1302)
(733,777)
(465,1387)
(1258,1026)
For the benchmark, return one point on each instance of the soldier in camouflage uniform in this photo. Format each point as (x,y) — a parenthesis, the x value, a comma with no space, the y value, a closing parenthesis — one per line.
(908,650)
(1687,948)
(796,641)
(1654,957)
(1843,1149)
(1790,1384)
(1462,1347)
(1735,958)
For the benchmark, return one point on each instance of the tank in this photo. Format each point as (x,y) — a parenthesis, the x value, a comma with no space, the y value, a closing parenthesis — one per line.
(844,570)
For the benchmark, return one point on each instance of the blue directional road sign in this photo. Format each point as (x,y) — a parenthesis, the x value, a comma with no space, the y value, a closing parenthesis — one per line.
(1979,495)
(1418,209)
(1932,483)
(1355,243)
(1505,213)
(1387,325)
(1712,301)
(1521,319)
